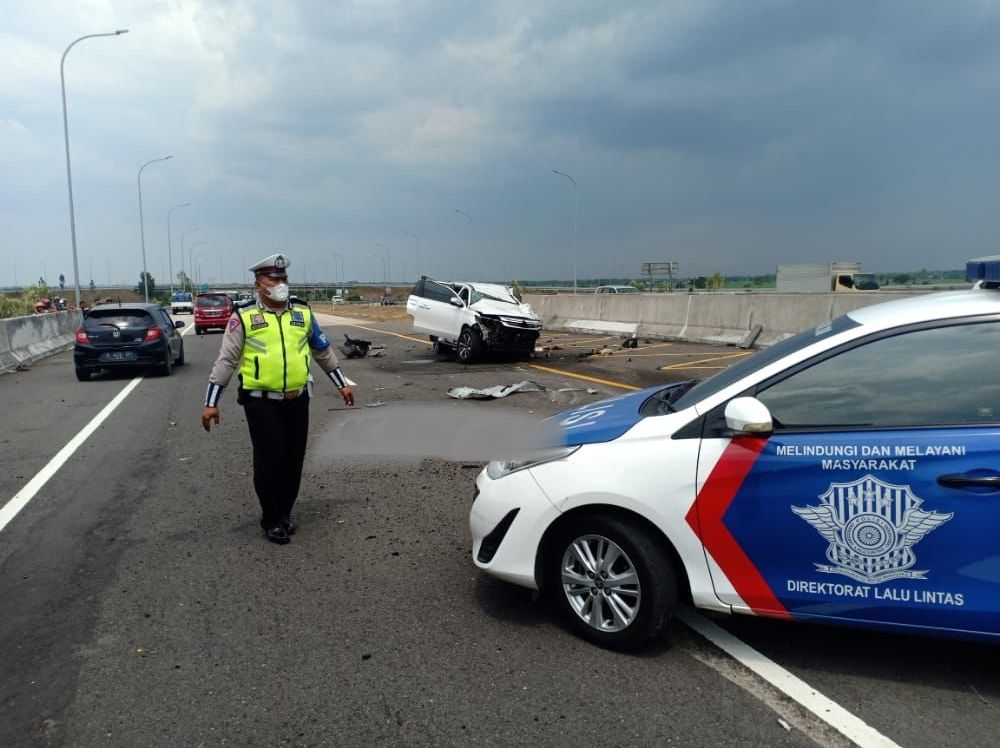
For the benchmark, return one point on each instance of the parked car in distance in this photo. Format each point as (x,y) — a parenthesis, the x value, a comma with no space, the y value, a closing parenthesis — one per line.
(388,300)
(181,301)
(212,311)
(127,335)
(616,289)
(472,319)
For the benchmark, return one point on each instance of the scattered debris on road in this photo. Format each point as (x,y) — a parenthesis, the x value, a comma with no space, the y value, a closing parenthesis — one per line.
(355,348)
(500,390)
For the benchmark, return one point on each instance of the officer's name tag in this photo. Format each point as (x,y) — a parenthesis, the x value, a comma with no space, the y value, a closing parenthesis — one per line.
(257,321)
(298,319)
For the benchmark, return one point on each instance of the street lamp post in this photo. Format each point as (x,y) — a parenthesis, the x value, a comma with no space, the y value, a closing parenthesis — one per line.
(576,205)
(385,269)
(416,240)
(388,262)
(170,248)
(191,262)
(69,171)
(197,264)
(190,231)
(339,257)
(142,230)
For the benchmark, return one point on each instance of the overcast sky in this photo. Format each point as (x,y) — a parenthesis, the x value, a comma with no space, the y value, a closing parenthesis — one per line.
(727,136)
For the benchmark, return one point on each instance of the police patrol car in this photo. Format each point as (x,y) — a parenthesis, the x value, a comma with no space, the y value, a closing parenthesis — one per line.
(849,474)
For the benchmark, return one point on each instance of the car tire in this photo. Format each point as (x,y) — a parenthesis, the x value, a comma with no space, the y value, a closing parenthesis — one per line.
(470,346)
(82,374)
(180,356)
(167,367)
(442,349)
(198,331)
(641,609)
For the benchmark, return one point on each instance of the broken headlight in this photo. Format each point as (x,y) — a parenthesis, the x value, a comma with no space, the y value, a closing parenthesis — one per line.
(500,468)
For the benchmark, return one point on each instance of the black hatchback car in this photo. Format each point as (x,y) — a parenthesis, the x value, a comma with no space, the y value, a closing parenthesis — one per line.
(127,335)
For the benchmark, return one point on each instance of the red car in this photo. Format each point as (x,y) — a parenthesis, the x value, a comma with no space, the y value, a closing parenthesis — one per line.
(211,312)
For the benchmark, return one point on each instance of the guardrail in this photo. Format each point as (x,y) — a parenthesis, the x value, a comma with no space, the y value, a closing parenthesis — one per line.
(24,340)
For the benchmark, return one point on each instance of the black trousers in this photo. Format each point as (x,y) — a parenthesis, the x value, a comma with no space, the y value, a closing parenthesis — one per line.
(278,431)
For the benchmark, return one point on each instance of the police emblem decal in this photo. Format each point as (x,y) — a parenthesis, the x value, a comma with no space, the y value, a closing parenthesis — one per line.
(298,319)
(872,527)
(257,321)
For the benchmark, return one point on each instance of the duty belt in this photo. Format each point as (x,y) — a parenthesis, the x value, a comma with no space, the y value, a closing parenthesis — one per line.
(266,394)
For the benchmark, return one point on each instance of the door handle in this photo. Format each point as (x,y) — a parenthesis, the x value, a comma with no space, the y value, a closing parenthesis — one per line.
(960,480)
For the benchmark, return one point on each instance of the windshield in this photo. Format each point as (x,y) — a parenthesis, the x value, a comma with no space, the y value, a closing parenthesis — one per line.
(181,297)
(765,357)
(627,289)
(213,302)
(119,318)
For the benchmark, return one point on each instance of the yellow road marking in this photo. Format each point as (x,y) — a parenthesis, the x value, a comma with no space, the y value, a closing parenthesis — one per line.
(584,377)
(691,364)
(395,334)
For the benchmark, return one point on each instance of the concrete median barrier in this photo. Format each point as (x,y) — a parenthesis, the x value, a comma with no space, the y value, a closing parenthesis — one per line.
(24,340)
(725,318)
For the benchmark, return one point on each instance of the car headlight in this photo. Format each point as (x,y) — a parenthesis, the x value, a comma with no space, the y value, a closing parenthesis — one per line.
(500,468)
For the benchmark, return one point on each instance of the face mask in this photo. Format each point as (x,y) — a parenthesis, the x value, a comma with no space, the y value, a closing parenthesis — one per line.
(278,292)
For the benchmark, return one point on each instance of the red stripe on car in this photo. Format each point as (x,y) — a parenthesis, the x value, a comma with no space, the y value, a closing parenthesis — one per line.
(706,519)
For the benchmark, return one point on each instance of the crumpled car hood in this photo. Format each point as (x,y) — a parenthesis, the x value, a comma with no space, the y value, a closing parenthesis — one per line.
(489,306)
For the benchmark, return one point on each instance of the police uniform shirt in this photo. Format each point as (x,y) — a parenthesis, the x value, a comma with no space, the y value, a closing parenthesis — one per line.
(231,354)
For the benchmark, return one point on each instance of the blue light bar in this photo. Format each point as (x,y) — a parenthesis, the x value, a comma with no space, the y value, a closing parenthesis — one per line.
(983,269)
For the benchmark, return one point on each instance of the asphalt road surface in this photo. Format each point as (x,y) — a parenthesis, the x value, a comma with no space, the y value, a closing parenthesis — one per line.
(142,606)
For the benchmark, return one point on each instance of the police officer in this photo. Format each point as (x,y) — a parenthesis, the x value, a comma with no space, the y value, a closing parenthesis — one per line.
(267,342)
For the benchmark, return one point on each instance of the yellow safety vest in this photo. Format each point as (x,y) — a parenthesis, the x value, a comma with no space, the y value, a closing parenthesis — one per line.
(275,348)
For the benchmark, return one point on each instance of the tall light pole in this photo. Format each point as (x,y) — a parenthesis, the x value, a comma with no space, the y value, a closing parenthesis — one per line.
(189,231)
(170,248)
(388,262)
(576,204)
(69,171)
(142,230)
(197,263)
(340,258)
(416,240)
(191,261)
(385,269)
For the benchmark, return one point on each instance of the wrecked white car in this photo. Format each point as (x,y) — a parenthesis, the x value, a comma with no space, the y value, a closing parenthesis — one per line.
(472,319)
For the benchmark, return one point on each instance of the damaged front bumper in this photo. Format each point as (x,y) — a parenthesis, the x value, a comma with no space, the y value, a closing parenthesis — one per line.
(509,334)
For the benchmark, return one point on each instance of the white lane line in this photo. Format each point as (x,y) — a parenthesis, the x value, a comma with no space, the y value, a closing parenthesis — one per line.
(26,494)
(841,720)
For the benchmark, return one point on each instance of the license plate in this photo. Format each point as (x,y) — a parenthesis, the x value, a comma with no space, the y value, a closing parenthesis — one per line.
(118,356)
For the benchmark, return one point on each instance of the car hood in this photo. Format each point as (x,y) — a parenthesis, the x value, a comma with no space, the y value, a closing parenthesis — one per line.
(602,421)
(489,306)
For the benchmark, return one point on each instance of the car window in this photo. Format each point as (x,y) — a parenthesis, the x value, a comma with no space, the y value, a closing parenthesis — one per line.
(932,377)
(767,356)
(165,320)
(437,292)
(119,318)
(213,302)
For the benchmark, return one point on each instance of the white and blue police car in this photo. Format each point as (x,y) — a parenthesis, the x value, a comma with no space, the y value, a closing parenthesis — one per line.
(849,474)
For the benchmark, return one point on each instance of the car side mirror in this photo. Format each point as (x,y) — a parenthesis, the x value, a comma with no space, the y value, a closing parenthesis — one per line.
(455,301)
(178,324)
(748,415)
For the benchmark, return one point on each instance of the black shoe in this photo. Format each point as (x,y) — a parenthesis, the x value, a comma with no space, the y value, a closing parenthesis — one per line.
(276,534)
(288,526)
